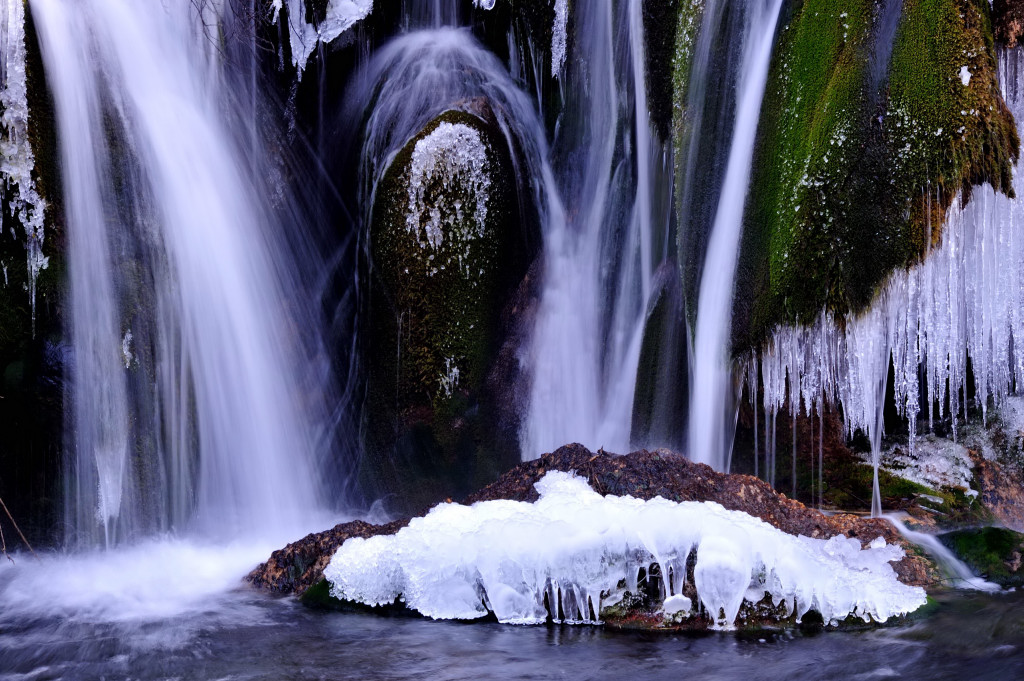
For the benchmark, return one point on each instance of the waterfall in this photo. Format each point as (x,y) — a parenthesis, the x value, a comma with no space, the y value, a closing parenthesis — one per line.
(711,415)
(599,258)
(190,339)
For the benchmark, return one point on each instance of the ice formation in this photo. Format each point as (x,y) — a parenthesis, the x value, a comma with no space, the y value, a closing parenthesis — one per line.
(965,301)
(454,157)
(16,158)
(559,34)
(935,462)
(578,552)
(305,37)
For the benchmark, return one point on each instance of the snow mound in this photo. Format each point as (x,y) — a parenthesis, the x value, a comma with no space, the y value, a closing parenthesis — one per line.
(577,549)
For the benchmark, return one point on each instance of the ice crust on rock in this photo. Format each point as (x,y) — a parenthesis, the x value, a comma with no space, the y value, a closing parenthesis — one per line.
(935,463)
(16,158)
(455,157)
(304,37)
(577,549)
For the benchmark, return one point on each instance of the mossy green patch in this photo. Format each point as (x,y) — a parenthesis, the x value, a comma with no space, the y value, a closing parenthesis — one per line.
(993,552)
(867,135)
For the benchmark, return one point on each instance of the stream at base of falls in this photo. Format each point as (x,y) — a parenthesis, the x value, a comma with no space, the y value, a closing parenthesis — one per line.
(176,610)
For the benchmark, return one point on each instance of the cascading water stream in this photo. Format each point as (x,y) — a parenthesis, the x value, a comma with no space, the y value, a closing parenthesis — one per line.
(711,421)
(188,342)
(598,261)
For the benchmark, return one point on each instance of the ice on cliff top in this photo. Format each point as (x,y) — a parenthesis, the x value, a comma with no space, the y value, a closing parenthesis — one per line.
(340,15)
(575,547)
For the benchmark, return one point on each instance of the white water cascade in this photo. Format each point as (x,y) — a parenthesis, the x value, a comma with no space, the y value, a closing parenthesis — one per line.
(712,415)
(963,303)
(187,410)
(600,257)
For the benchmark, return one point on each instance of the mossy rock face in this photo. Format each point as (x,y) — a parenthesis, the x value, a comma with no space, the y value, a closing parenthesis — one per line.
(444,262)
(994,553)
(873,121)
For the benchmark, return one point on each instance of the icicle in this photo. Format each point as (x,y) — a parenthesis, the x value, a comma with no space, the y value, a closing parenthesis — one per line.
(17,161)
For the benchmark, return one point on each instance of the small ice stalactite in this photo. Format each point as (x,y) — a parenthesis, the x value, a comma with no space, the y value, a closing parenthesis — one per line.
(450,378)
(965,75)
(126,349)
(484,4)
(454,157)
(572,548)
(304,37)
(16,158)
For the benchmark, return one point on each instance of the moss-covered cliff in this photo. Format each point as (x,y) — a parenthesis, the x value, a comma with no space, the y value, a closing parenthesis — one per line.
(876,116)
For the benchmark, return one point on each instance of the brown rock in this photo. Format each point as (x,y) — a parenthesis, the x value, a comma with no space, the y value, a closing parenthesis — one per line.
(301,564)
(1002,491)
(1008,16)
(672,476)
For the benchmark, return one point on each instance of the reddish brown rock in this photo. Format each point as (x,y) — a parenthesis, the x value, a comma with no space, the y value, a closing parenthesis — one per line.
(1002,491)
(301,564)
(672,476)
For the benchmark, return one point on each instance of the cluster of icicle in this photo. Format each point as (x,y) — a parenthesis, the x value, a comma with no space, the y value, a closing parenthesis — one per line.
(559,33)
(304,36)
(16,158)
(965,300)
(573,552)
(449,167)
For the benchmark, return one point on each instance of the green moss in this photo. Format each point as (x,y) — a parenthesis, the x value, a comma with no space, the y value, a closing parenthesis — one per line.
(955,135)
(995,553)
(857,163)
(849,487)
(687,25)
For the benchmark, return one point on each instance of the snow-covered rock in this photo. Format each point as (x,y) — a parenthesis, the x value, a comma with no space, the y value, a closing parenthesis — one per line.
(579,551)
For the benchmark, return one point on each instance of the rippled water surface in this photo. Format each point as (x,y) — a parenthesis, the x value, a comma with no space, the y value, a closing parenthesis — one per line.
(173,611)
